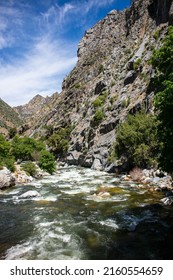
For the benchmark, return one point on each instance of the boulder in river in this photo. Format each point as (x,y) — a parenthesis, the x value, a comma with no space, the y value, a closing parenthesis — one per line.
(7,180)
(30,194)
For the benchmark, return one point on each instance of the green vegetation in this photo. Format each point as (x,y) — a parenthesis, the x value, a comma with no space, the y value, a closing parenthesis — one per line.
(98,104)
(30,168)
(145,140)
(124,103)
(156,34)
(59,142)
(136,64)
(98,116)
(100,100)
(162,60)
(78,85)
(25,149)
(137,140)
(47,161)
(6,158)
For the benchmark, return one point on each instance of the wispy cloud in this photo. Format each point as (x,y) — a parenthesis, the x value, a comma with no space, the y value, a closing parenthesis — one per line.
(41,70)
(36,47)
(44,63)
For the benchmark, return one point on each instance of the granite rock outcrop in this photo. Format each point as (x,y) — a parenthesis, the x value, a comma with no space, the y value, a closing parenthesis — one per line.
(113,68)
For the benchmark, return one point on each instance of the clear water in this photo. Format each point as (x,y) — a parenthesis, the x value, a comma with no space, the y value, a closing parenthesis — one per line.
(69,220)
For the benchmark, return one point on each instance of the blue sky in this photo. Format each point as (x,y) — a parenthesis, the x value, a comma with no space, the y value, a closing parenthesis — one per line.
(38,43)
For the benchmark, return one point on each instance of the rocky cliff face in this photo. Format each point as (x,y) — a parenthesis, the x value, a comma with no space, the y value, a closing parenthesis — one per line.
(8,118)
(110,80)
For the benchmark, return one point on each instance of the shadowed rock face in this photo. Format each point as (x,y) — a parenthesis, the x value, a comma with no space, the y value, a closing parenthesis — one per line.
(111,79)
(159,10)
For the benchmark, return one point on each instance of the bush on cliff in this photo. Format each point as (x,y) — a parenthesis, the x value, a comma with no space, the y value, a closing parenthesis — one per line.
(137,140)
(59,141)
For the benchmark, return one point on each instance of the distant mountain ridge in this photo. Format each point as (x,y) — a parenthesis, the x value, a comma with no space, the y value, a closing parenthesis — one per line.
(32,107)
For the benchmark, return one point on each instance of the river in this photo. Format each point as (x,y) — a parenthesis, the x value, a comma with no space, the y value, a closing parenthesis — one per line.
(74,218)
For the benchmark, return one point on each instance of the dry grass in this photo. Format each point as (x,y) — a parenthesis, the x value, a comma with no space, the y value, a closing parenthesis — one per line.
(136,174)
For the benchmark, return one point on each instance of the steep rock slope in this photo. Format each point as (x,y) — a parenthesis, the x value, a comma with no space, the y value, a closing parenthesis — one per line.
(31,108)
(111,78)
(8,118)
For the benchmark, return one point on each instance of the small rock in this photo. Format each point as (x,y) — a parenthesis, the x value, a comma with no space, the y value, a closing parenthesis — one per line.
(167,200)
(104,194)
(130,77)
(147,180)
(30,194)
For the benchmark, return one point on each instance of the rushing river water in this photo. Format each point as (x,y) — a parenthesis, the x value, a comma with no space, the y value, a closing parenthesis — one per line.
(70,220)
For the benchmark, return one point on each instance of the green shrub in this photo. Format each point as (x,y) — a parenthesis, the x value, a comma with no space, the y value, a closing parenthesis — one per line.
(24,147)
(98,116)
(136,64)
(4,147)
(59,141)
(137,140)
(100,100)
(162,60)
(78,85)
(47,161)
(156,34)
(97,102)
(124,103)
(1,164)
(58,144)
(6,159)
(30,168)
(9,163)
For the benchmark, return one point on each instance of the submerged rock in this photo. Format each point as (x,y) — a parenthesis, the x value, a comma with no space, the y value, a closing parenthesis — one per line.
(30,194)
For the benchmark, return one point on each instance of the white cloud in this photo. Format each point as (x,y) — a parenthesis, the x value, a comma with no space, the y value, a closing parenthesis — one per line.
(46,56)
(39,72)
(84,7)
(10,20)
(43,67)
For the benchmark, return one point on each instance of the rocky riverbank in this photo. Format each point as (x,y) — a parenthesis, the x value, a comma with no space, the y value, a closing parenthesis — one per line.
(9,179)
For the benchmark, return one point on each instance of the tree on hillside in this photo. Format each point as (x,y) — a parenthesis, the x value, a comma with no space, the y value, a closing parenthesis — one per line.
(136,140)
(162,60)
(24,148)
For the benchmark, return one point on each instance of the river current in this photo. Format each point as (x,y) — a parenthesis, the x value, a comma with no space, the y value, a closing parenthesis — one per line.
(84,214)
